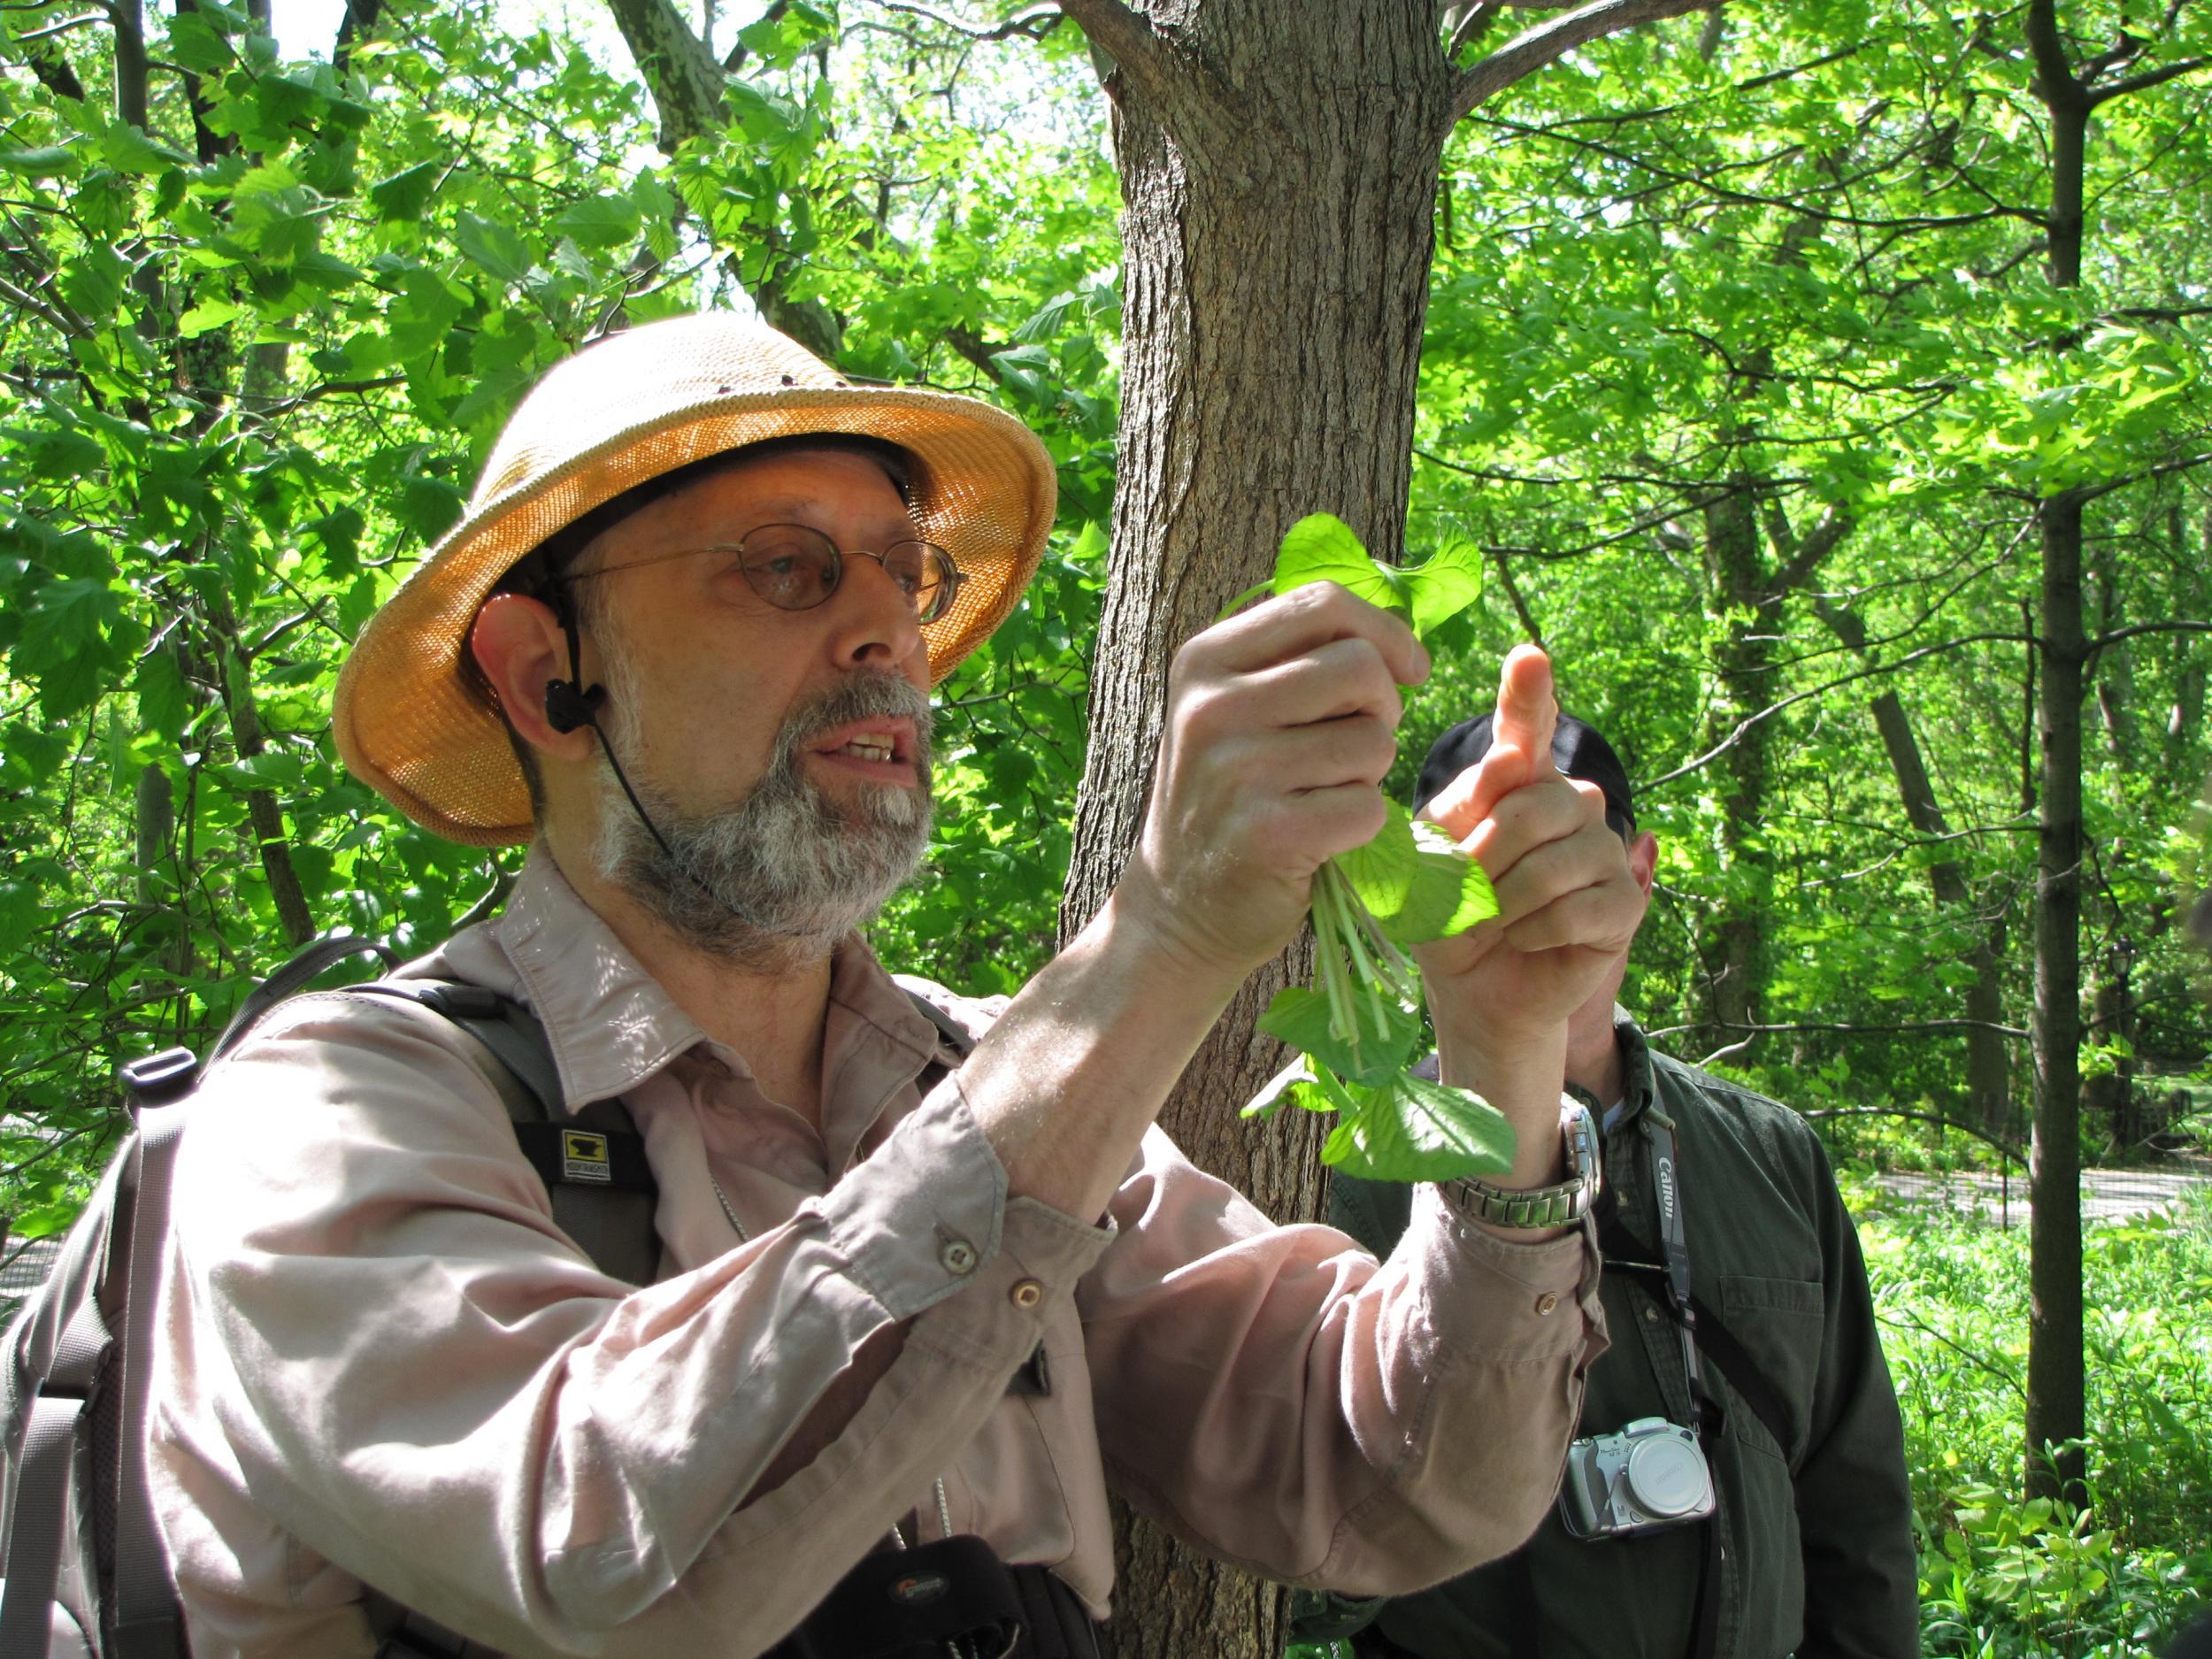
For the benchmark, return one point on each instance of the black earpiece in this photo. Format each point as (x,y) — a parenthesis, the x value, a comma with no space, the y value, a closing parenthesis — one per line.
(567,707)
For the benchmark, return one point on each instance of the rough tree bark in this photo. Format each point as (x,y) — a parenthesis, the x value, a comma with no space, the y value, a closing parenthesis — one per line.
(1278,163)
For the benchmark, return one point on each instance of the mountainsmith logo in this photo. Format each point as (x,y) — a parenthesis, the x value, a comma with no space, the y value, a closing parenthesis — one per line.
(584,1158)
(1666,1191)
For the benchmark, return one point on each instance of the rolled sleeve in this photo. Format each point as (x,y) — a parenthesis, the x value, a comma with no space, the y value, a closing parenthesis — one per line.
(912,1243)
(1278,1396)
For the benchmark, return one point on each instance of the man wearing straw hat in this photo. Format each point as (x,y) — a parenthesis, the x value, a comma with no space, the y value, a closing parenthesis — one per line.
(915,1307)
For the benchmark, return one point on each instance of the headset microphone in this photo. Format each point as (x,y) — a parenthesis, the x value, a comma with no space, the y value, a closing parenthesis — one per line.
(567,708)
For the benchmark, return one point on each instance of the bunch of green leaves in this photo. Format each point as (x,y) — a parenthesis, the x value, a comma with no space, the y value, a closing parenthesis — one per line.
(1360,1024)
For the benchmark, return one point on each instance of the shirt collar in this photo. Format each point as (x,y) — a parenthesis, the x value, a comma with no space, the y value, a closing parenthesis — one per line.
(611,1025)
(1636,1074)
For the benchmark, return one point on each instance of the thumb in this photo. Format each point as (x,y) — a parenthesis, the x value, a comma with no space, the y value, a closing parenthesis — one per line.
(1528,712)
(1520,746)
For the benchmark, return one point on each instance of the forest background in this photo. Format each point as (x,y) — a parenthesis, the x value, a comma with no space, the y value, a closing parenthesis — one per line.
(1765,355)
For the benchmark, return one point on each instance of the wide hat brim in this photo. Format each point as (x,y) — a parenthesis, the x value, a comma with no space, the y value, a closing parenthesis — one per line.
(411,722)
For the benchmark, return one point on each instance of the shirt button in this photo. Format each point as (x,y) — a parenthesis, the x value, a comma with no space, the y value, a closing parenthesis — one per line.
(1651,1316)
(1546,1303)
(1027,1294)
(957,1256)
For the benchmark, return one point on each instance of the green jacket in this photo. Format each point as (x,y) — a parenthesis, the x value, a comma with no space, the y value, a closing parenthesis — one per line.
(1818,1557)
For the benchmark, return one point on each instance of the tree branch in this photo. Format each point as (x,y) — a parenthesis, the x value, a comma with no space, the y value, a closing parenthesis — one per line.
(2148,78)
(359,21)
(1135,47)
(1471,25)
(2118,634)
(1817,545)
(1773,709)
(1851,1030)
(1029,24)
(63,27)
(1530,51)
(2053,73)
(2091,492)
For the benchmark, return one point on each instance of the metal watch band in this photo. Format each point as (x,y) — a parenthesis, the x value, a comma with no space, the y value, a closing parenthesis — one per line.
(1559,1205)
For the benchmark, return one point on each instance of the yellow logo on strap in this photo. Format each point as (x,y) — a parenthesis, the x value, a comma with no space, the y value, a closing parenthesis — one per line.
(584,1157)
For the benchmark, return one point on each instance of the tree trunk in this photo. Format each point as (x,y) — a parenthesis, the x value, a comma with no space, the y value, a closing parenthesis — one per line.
(265,816)
(2055,1407)
(1279,195)
(1743,685)
(1988,1067)
(2055,1394)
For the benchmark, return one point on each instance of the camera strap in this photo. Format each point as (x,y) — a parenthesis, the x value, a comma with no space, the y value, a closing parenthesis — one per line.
(1666,1185)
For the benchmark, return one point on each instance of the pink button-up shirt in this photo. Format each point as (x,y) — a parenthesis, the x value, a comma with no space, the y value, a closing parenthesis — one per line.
(384,1363)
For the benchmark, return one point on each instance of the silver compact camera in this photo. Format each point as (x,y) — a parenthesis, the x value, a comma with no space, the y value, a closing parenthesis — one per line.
(1650,1475)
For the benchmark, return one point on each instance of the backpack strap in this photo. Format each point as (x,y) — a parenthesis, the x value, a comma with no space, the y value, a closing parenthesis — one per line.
(295,976)
(956,1035)
(592,1160)
(92,1364)
(148,1623)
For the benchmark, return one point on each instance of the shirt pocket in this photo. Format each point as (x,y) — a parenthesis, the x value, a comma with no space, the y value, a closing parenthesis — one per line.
(1780,1322)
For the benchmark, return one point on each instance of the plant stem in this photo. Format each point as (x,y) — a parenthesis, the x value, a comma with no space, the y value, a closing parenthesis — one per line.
(1329,965)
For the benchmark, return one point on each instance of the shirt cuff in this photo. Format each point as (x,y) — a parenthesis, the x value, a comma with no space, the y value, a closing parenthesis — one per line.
(1510,1297)
(926,1215)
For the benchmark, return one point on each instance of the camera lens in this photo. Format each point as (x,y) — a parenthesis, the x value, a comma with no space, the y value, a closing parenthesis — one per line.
(1667,1475)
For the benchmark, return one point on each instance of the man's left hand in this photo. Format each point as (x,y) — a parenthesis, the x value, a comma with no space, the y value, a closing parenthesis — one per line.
(1568,906)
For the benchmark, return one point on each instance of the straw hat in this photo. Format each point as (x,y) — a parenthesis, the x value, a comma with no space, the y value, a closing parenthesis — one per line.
(626,408)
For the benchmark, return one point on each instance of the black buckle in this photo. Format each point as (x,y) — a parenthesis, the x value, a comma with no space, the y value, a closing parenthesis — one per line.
(155,1079)
(904,1602)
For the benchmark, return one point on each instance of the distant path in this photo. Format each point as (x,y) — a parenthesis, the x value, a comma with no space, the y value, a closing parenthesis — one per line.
(2106,1195)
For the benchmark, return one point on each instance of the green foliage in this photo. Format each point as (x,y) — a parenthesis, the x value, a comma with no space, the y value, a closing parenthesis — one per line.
(257,342)
(1695,297)
(1362,1024)
(2001,1577)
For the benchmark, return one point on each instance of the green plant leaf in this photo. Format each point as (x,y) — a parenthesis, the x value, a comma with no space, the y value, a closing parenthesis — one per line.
(495,249)
(405,195)
(1300,1018)
(601,221)
(1414,883)
(1322,547)
(1444,584)
(1415,1130)
(43,161)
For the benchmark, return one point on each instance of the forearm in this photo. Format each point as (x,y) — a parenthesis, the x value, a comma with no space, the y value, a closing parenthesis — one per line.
(1523,1083)
(1284,1400)
(1075,1069)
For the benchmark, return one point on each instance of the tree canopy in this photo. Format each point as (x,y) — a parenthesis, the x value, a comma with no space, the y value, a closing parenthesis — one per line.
(1763,349)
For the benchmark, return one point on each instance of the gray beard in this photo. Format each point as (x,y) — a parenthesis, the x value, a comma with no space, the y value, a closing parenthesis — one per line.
(777,879)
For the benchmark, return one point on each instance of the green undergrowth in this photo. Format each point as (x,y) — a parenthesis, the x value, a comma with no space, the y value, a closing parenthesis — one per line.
(2001,1577)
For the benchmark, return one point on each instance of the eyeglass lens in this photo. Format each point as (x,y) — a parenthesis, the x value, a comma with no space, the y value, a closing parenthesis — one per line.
(794,568)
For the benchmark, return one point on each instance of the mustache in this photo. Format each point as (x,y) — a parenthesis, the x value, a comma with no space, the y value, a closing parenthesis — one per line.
(860,697)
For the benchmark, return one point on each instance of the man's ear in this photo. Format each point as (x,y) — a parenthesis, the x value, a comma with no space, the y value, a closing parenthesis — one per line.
(1643,859)
(521,648)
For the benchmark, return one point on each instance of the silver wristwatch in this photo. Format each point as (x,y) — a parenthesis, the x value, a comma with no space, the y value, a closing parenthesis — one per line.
(1559,1205)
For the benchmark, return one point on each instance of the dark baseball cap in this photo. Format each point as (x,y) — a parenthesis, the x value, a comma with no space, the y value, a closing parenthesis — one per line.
(1577,750)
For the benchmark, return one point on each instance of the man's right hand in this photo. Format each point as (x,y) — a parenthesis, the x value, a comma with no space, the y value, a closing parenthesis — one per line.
(1281,723)
(1279,728)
